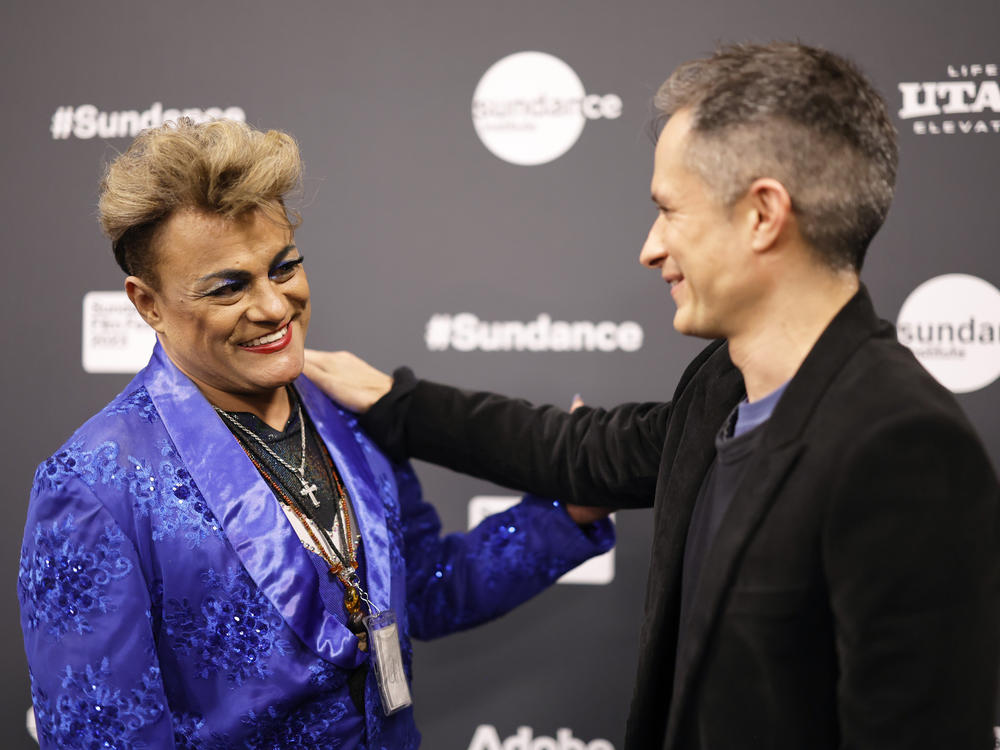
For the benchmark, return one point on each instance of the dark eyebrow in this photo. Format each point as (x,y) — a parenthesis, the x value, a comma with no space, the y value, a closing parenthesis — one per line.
(280,255)
(239,275)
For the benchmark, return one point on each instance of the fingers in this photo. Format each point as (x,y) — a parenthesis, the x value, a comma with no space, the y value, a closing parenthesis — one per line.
(318,367)
(346,378)
(583,515)
(327,362)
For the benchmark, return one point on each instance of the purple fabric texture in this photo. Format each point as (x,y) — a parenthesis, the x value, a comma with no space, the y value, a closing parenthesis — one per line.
(166,601)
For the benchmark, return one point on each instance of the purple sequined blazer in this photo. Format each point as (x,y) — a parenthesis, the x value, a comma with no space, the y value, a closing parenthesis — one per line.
(167,602)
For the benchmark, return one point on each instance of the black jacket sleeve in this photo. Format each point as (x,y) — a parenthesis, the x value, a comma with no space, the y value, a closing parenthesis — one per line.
(590,457)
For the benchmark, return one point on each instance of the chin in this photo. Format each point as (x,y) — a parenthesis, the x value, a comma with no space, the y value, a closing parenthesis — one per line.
(682,325)
(288,377)
(279,377)
(687,327)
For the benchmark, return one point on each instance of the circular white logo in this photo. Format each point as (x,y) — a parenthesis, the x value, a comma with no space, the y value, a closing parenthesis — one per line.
(530,108)
(952,324)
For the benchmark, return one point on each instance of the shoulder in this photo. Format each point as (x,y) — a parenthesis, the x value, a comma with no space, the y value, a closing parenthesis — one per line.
(883,383)
(96,452)
(888,420)
(342,427)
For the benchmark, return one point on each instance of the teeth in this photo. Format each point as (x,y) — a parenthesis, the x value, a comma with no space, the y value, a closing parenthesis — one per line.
(267,339)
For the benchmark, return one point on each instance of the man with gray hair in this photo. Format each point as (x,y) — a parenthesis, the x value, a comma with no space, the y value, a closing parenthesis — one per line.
(824,570)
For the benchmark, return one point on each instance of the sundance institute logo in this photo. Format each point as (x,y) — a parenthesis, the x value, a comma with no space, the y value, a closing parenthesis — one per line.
(530,108)
(952,324)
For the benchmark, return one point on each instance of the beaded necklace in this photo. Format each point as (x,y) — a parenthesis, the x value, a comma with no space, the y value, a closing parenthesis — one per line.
(345,559)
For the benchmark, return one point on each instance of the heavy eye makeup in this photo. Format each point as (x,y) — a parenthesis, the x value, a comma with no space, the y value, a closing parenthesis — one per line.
(285,269)
(225,288)
(226,285)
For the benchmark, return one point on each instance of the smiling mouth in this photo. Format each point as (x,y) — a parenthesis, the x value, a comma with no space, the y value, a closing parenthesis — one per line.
(271,341)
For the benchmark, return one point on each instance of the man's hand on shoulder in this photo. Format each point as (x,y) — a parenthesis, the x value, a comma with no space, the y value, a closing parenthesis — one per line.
(347,379)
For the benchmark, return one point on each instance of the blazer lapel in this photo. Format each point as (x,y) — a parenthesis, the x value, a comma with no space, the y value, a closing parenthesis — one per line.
(683,473)
(698,412)
(350,454)
(756,494)
(251,518)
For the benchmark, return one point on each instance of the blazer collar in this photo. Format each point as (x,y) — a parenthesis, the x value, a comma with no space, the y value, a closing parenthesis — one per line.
(850,328)
(349,454)
(251,518)
(778,452)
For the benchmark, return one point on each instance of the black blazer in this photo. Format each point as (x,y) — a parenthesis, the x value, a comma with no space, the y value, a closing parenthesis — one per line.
(850,597)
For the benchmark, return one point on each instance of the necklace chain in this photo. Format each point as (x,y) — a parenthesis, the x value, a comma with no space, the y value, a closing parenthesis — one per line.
(308,488)
(347,558)
(346,565)
(342,509)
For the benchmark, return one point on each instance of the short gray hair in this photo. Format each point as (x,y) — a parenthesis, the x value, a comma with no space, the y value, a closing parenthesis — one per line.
(803,116)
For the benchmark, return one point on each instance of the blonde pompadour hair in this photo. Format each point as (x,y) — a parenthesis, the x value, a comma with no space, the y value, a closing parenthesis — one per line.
(222,167)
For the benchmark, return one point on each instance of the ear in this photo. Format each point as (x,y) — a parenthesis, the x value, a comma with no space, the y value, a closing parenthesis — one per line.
(771,212)
(146,301)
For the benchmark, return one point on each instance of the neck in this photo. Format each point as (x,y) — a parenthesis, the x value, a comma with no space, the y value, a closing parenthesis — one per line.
(273,408)
(770,350)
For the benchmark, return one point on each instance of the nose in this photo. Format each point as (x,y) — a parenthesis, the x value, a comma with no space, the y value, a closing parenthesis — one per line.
(654,251)
(268,304)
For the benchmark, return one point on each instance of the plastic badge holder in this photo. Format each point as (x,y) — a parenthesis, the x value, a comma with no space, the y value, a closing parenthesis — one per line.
(387,661)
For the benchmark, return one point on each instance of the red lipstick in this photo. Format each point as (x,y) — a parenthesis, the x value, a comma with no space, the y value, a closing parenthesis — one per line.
(274,346)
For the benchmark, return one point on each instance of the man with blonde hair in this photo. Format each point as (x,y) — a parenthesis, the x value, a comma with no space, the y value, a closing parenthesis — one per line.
(220,558)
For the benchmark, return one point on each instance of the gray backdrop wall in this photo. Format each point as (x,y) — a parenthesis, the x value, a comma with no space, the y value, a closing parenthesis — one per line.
(409,218)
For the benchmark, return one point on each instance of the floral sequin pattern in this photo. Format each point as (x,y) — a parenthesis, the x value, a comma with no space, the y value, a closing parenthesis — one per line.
(186,730)
(393,525)
(176,504)
(98,466)
(322,674)
(234,629)
(137,402)
(93,712)
(359,437)
(190,731)
(63,585)
(503,554)
(312,727)
(163,491)
(387,490)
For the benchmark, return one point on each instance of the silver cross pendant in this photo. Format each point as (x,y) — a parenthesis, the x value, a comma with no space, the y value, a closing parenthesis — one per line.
(309,489)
